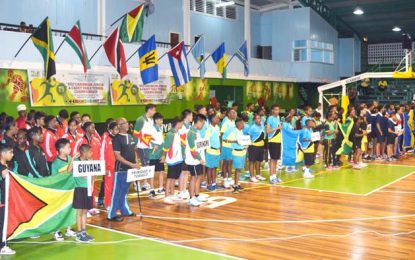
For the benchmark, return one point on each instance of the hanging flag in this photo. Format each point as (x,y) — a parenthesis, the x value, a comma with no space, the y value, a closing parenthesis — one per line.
(242,55)
(115,53)
(131,28)
(149,61)
(346,145)
(219,57)
(198,53)
(178,64)
(289,145)
(42,39)
(34,207)
(75,40)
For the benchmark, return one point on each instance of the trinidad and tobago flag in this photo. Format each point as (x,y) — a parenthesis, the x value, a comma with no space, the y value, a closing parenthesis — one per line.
(115,53)
(75,40)
(37,206)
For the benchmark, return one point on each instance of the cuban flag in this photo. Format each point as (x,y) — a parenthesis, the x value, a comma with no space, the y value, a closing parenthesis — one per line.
(178,64)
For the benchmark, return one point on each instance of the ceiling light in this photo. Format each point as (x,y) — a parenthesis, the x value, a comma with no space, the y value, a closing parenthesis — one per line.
(358,11)
(396,29)
(221,4)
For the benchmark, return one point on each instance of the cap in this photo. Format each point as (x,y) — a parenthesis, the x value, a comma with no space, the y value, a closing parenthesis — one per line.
(21,107)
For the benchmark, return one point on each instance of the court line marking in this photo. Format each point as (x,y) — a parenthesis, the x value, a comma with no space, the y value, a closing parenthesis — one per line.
(232,221)
(323,191)
(396,191)
(154,239)
(393,165)
(393,182)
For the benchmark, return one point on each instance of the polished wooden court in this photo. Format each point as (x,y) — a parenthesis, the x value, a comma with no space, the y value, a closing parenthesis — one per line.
(283,222)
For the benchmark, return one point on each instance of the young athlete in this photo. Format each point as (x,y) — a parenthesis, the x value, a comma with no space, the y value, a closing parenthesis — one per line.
(307,147)
(358,131)
(38,166)
(62,120)
(51,137)
(238,152)
(213,152)
(256,149)
(6,156)
(308,112)
(329,135)
(156,153)
(71,134)
(82,201)
(63,164)
(194,160)
(274,142)
(391,137)
(187,116)
(226,152)
(173,156)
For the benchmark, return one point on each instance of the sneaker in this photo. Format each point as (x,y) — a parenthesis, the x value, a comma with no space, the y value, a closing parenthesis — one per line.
(231,182)
(273,181)
(88,236)
(308,175)
(194,202)
(203,184)
(70,233)
(362,165)
(58,236)
(235,189)
(80,237)
(356,167)
(184,195)
(201,199)
(240,188)
(169,200)
(329,168)
(145,186)
(93,211)
(7,251)
(209,188)
(253,179)
(259,177)
(247,174)
(226,184)
(279,180)
(214,186)
(152,194)
(161,191)
(176,197)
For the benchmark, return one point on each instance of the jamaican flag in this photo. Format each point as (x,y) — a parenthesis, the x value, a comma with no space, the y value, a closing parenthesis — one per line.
(37,206)
(42,39)
(346,129)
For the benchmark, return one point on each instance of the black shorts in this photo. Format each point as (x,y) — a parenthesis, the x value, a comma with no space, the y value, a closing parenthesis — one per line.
(185,167)
(391,139)
(256,153)
(357,143)
(274,151)
(159,167)
(308,159)
(81,200)
(380,139)
(173,171)
(195,170)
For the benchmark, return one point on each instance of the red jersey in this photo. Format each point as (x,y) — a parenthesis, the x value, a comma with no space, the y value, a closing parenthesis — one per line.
(94,143)
(62,129)
(72,141)
(107,153)
(21,122)
(48,145)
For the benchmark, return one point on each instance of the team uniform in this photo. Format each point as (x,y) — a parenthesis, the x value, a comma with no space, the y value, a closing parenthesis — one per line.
(183,139)
(81,198)
(107,154)
(274,138)
(156,151)
(38,166)
(192,155)
(226,153)
(60,166)
(142,128)
(391,137)
(213,152)
(173,149)
(328,143)
(95,144)
(48,145)
(62,128)
(125,145)
(307,147)
(20,164)
(72,140)
(256,149)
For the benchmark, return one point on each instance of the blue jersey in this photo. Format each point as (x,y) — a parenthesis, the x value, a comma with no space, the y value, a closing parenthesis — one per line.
(255,132)
(213,134)
(305,137)
(273,122)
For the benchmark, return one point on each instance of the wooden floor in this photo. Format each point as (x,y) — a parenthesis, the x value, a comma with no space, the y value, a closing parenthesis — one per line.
(271,222)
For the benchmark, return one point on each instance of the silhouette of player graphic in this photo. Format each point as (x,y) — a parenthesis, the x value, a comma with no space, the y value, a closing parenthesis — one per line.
(48,86)
(125,86)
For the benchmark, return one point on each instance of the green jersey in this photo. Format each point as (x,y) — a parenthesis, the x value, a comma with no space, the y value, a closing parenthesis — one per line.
(60,166)
(80,182)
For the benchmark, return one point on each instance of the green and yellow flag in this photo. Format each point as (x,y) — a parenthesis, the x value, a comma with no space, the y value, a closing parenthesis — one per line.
(219,57)
(37,206)
(42,39)
(132,24)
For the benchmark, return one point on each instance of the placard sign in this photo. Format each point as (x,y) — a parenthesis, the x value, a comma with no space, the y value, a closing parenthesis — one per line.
(398,129)
(143,173)
(88,168)
(244,140)
(202,144)
(315,136)
(369,128)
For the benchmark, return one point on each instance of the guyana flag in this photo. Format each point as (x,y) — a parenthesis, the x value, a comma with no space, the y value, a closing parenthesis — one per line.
(75,40)
(42,39)
(37,206)
(132,25)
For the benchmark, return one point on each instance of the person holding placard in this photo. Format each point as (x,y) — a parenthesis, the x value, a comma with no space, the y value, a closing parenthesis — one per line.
(358,132)
(256,149)
(274,142)
(213,152)
(82,201)
(195,159)
(124,146)
(307,147)
(226,152)
(173,156)
(156,154)
(238,153)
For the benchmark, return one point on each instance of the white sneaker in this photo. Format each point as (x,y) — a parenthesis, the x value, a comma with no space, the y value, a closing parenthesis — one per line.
(58,236)
(231,182)
(194,202)
(226,184)
(201,199)
(7,251)
(203,184)
(184,195)
(259,177)
(145,186)
(308,175)
(169,200)
(176,198)
(253,179)
(70,233)
(357,166)
(94,211)
(362,165)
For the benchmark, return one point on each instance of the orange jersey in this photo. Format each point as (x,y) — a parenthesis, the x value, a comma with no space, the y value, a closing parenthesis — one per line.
(48,145)
(72,141)
(94,143)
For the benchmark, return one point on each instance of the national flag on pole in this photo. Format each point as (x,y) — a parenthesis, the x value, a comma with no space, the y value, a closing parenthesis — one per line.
(131,28)
(149,61)
(198,53)
(42,39)
(242,55)
(75,40)
(219,57)
(34,207)
(178,64)
(115,53)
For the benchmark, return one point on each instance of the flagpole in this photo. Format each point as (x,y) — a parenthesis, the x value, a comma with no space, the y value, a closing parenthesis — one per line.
(93,55)
(204,60)
(229,61)
(60,45)
(129,58)
(162,56)
(193,46)
(17,53)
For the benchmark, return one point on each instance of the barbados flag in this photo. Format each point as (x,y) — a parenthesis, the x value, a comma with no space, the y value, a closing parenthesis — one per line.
(132,24)
(42,39)
(37,206)
(149,61)
(219,57)
(178,64)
